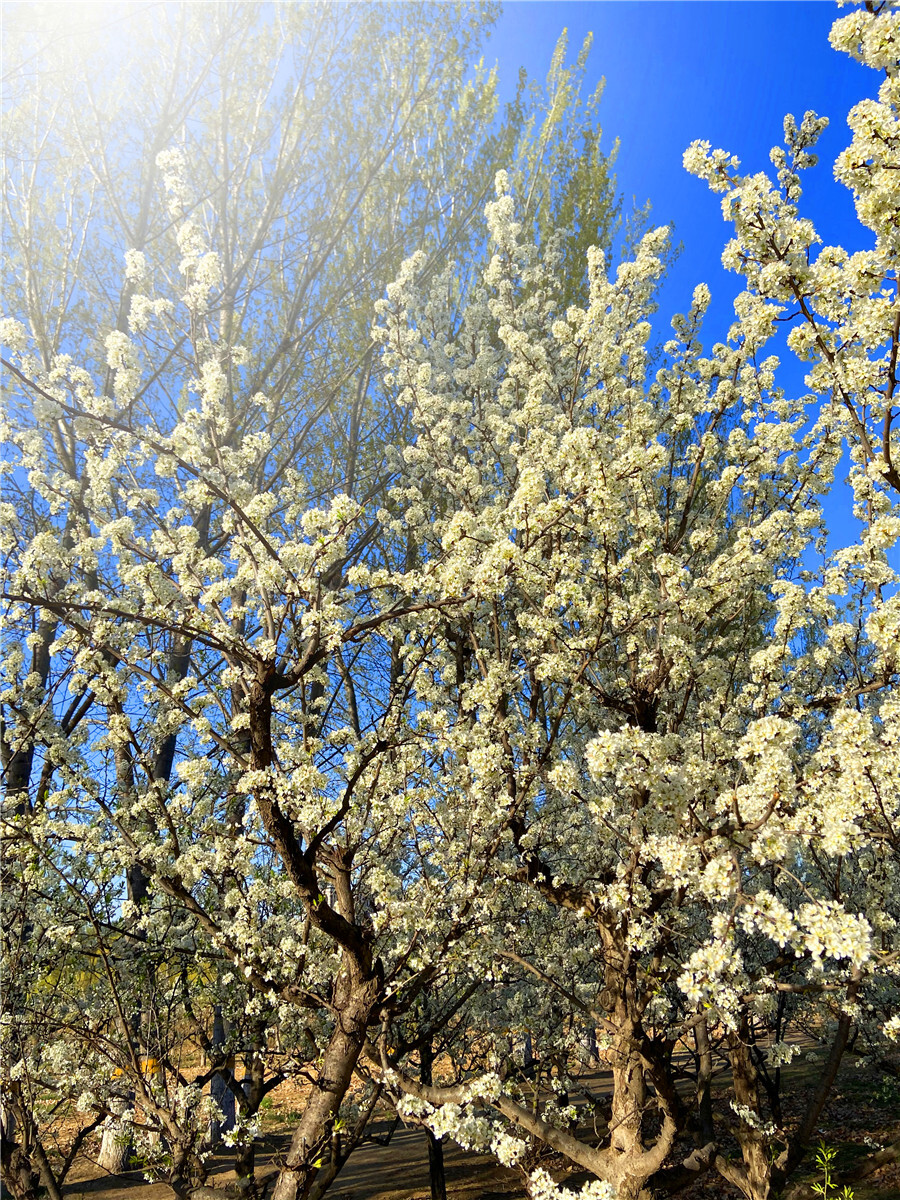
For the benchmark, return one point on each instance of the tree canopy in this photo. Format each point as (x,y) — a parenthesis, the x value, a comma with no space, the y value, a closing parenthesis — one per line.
(408,647)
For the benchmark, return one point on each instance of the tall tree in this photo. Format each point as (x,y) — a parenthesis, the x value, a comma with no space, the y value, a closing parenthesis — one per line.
(671,733)
(205,740)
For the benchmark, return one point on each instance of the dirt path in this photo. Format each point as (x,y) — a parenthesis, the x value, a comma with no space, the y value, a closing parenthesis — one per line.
(861,1113)
(398,1171)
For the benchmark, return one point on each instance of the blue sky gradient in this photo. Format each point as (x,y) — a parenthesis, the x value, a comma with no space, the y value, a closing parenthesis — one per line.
(677,70)
(726,72)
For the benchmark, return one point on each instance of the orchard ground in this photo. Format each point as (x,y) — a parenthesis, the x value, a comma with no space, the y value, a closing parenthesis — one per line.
(862,1112)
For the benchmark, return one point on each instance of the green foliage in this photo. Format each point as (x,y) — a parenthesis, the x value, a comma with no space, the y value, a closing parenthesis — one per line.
(825,1158)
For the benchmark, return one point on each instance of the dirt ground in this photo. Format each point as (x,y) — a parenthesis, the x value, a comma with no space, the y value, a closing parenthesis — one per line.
(861,1112)
(398,1171)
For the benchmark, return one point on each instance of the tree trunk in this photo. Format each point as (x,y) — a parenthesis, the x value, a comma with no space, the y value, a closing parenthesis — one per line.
(704,1081)
(19,1174)
(757,1181)
(629,1100)
(629,1097)
(528,1055)
(590,1045)
(435,1145)
(252,1087)
(314,1158)
(310,1165)
(116,1146)
(218,1087)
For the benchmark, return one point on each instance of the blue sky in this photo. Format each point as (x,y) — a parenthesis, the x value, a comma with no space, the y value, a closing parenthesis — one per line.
(676,71)
(727,72)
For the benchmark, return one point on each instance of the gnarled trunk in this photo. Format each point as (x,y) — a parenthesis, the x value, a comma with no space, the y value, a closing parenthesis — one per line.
(756,1180)
(627,1118)
(20,1175)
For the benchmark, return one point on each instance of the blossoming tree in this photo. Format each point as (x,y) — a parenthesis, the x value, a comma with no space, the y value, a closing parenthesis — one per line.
(576,730)
(659,707)
(209,839)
